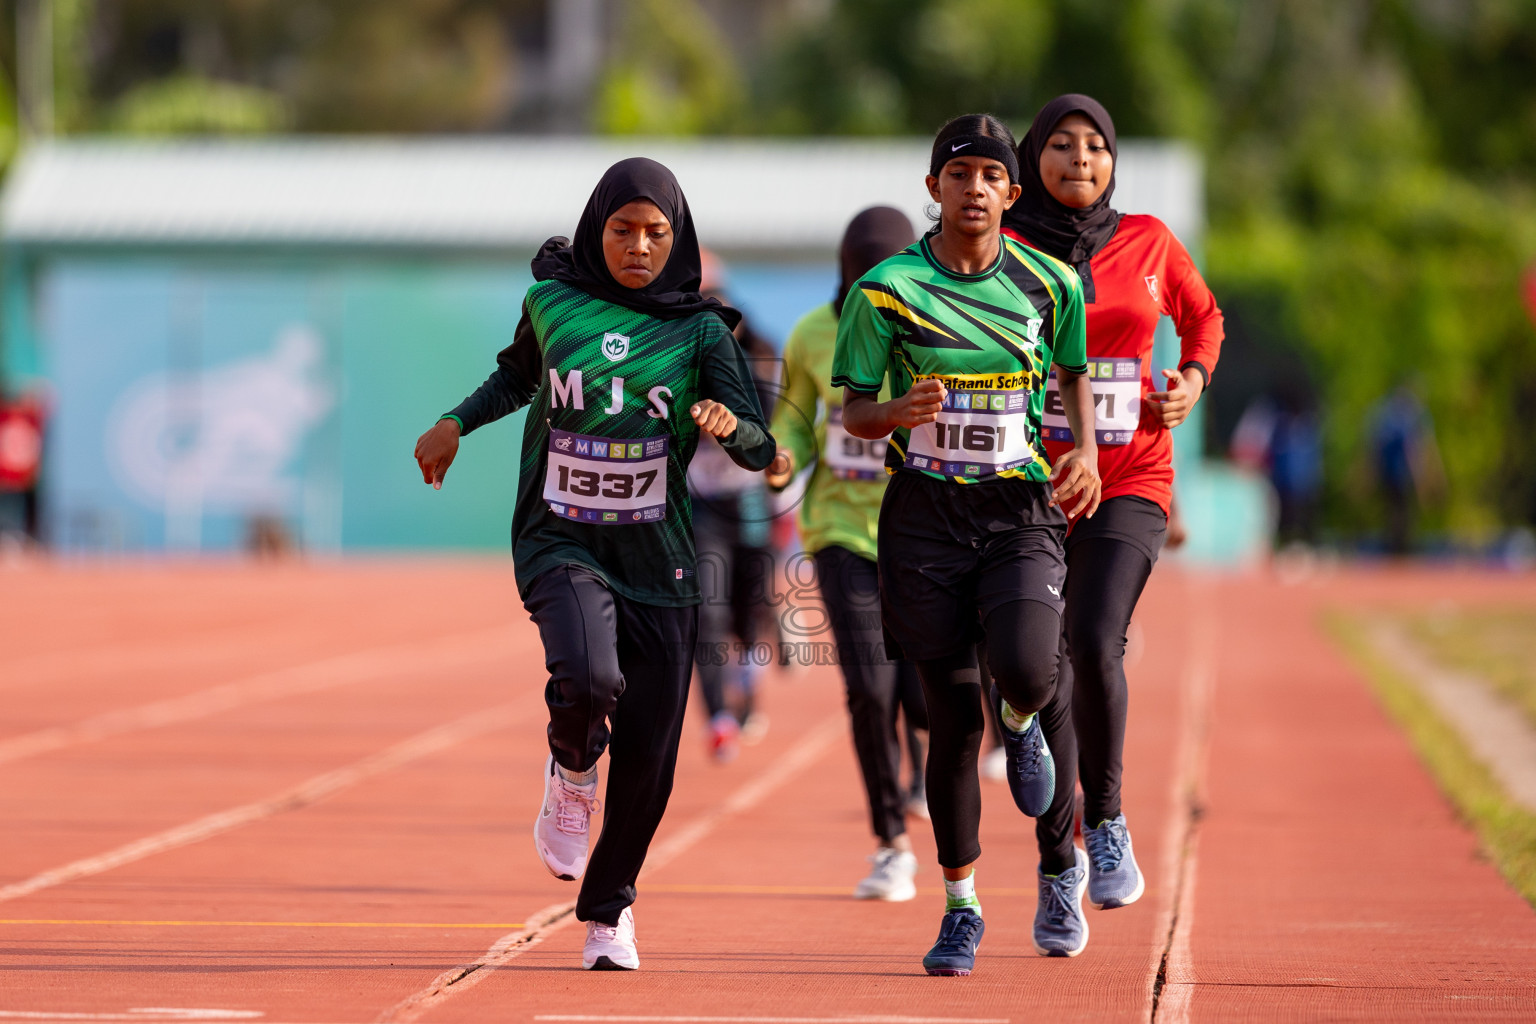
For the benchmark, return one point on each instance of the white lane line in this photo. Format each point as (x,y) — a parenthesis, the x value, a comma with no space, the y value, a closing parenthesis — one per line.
(551,919)
(446,653)
(861,1019)
(1171,959)
(293,798)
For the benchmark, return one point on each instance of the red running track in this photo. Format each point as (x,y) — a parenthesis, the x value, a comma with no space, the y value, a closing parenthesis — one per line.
(302,793)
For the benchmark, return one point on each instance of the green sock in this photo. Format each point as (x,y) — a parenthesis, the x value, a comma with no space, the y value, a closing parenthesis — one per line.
(1014,721)
(961,894)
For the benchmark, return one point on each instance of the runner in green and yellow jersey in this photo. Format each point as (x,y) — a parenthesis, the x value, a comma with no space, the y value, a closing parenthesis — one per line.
(837,527)
(965,326)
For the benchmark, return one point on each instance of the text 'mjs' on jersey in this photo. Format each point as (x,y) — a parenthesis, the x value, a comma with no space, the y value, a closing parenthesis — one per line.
(608,438)
(990,337)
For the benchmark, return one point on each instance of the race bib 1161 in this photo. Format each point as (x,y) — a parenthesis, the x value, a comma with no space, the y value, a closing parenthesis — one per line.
(606,480)
(978,433)
(1116,402)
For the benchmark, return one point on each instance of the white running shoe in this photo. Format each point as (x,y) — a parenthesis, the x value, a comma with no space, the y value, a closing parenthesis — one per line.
(754,730)
(611,947)
(891,877)
(560,830)
(994,764)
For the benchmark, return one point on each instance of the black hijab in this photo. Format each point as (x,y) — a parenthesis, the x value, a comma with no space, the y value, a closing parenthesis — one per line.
(1050,225)
(674,293)
(875,234)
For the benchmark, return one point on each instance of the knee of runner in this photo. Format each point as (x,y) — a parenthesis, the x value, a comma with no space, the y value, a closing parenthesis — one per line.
(1097,649)
(1026,679)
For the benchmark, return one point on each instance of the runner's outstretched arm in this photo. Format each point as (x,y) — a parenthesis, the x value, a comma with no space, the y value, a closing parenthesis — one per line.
(509,387)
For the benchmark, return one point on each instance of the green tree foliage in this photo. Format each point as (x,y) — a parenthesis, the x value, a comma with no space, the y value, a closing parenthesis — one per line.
(672,73)
(242,66)
(1369,167)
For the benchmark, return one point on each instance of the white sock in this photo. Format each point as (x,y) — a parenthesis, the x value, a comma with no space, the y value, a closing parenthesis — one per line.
(1013,721)
(585,778)
(961,894)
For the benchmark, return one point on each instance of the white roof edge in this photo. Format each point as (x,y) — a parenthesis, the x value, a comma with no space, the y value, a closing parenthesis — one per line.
(490,192)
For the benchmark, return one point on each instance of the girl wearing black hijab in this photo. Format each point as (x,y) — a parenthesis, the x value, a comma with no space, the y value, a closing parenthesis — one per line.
(622,363)
(1134,271)
(838,518)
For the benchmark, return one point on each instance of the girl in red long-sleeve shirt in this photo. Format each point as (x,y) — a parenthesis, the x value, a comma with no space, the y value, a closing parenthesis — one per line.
(1134,272)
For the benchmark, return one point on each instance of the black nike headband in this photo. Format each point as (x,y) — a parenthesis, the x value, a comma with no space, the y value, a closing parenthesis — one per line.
(975,145)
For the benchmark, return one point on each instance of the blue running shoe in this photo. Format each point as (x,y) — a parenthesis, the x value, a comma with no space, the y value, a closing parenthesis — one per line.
(1115,880)
(955,952)
(1060,927)
(1031,769)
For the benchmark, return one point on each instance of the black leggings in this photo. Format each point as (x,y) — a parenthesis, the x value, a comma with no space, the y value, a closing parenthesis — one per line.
(1022,645)
(877,687)
(1109,559)
(1054,829)
(614,660)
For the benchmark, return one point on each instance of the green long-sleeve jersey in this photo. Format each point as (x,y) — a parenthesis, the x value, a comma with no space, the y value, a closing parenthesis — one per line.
(608,437)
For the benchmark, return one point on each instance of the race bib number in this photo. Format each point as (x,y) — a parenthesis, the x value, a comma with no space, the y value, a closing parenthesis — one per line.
(978,433)
(1116,402)
(849,457)
(606,480)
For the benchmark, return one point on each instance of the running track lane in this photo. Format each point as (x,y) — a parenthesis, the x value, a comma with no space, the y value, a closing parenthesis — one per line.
(748,920)
(1333,881)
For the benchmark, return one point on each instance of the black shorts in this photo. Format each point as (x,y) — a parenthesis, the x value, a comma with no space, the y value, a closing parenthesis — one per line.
(952,553)
(1128,518)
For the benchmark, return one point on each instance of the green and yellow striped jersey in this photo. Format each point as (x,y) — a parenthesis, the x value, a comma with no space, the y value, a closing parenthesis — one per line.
(990,337)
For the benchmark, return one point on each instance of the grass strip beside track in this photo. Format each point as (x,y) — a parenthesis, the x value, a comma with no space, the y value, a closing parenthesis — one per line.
(1491,643)
(1507,830)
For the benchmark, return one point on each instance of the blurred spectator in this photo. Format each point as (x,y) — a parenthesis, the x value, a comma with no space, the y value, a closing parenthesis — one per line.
(1278,435)
(21,451)
(1407,463)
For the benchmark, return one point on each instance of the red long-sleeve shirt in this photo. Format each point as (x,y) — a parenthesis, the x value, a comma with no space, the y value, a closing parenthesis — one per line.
(1143,273)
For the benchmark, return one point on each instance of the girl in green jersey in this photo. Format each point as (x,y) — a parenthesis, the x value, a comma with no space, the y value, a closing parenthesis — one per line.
(965,325)
(614,343)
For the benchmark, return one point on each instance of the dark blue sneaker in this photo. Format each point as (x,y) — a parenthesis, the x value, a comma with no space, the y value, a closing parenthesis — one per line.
(955,952)
(1060,927)
(1031,769)
(1115,880)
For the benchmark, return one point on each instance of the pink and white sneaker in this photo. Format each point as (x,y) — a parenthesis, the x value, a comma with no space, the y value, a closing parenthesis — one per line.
(611,947)
(560,830)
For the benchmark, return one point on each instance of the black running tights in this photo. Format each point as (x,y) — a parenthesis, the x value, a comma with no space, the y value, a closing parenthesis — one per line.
(1022,640)
(877,688)
(1105,577)
(612,660)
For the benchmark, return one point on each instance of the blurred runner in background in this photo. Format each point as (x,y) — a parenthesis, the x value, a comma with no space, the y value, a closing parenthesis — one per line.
(1133,272)
(838,517)
(732,527)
